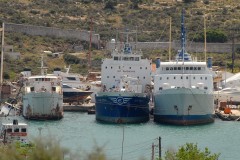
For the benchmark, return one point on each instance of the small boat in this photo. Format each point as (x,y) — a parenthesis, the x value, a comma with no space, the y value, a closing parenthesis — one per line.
(183,89)
(14,132)
(8,109)
(124,97)
(43,96)
(75,95)
(74,89)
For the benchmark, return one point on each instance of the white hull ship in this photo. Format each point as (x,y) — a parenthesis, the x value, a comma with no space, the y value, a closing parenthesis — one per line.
(123,98)
(42,96)
(183,90)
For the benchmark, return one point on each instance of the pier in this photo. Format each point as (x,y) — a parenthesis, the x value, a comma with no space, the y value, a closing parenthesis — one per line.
(85,107)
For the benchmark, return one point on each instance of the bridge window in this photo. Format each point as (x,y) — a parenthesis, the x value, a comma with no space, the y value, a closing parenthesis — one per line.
(175,68)
(191,68)
(199,68)
(16,129)
(71,78)
(179,68)
(136,58)
(167,68)
(195,68)
(24,130)
(187,68)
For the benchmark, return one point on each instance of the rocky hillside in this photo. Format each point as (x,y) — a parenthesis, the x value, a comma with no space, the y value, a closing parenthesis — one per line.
(149,17)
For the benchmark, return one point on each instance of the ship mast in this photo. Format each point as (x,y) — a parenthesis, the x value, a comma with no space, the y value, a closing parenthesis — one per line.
(170,39)
(205,39)
(90,45)
(183,36)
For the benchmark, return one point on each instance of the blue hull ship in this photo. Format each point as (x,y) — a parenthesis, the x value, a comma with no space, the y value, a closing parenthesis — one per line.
(126,86)
(122,108)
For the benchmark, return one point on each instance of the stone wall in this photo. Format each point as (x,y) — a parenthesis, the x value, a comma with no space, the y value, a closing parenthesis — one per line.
(191,47)
(50,31)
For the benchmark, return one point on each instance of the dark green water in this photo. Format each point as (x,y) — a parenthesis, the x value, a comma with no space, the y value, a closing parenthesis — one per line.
(80,133)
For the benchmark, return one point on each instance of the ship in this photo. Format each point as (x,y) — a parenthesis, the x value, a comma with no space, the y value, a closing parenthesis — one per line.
(125,93)
(75,91)
(183,89)
(42,97)
(14,132)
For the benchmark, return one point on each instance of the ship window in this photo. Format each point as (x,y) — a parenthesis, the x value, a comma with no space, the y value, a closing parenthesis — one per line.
(171,68)
(167,68)
(131,58)
(107,76)
(200,77)
(129,67)
(179,68)
(205,87)
(24,130)
(54,89)
(119,67)
(136,58)
(143,77)
(186,77)
(140,67)
(113,76)
(160,88)
(195,68)
(111,67)
(174,77)
(106,67)
(175,68)
(32,89)
(138,77)
(199,68)
(16,129)
(187,68)
(181,77)
(193,77)
(71,78)
(160,78)
(115,58)
(167,78)
(146,68)
(191,68)
(9,130)
(205,78)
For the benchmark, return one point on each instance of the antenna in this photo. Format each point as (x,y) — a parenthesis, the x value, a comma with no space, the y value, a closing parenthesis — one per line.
(1,76)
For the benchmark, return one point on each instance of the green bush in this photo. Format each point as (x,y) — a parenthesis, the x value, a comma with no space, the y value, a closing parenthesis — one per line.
(190,151)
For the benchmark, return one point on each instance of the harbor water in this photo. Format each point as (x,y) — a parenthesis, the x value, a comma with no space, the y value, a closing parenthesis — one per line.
(80,132)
